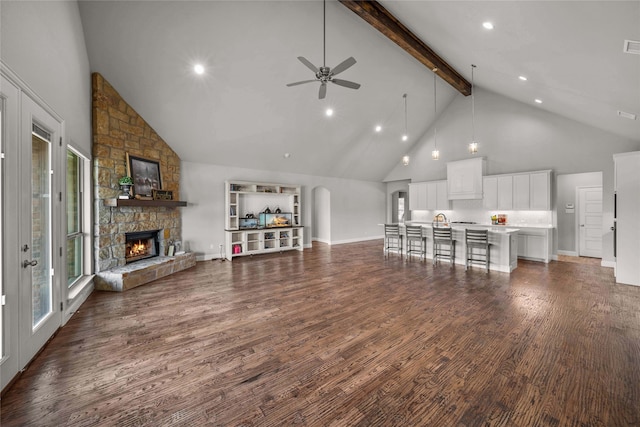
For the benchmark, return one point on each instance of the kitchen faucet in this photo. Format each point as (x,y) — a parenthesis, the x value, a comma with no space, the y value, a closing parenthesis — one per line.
(440,218)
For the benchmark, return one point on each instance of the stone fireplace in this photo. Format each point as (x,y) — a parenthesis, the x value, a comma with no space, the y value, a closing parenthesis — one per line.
(119,130)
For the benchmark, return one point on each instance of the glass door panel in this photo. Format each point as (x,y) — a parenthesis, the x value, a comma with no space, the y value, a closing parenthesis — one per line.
(41,283)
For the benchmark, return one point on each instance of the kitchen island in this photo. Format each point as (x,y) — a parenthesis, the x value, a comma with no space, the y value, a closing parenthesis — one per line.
(503,240)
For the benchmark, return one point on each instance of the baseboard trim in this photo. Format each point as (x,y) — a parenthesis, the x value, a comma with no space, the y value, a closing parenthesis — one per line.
(355,240)
(608,264)
(568,253)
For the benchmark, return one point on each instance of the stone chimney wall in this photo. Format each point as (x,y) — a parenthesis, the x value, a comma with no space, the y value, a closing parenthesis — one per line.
(117,130)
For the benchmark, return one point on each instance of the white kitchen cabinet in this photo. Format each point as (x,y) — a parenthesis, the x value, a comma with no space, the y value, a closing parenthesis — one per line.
(465,179)
(540,191)
(442,198)
(418,196)
(521,192)
(428,196)
(534,244)
(505,192)
(432,195)
(627,234)
(490,193)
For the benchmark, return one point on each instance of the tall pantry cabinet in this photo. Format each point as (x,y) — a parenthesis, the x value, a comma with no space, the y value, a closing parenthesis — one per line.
(627,217)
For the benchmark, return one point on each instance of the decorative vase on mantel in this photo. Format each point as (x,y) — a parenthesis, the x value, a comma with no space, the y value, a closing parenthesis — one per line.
(125,187)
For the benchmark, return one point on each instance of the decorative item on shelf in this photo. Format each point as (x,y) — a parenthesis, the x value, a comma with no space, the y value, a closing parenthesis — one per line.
(145,174)
(162,194)
(140,197)
(494,219)
(125,186)
(278,210)
(249,215)
(266,210)
(473,145)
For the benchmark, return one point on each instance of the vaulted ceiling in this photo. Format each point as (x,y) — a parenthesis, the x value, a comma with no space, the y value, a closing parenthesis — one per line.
(240,112)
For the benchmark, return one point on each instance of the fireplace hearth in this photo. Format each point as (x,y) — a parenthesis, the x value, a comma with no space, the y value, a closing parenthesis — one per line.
(141,245)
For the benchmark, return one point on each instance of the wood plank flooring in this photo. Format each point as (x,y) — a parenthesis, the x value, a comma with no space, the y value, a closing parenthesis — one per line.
(341,336)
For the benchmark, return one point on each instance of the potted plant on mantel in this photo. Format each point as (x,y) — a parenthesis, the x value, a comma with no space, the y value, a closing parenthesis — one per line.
(125,185)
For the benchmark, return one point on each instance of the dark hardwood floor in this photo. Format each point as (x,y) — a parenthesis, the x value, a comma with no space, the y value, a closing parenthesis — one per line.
(341,336)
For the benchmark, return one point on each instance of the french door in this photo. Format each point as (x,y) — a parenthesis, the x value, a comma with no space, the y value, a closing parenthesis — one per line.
(40,314)
(30,211)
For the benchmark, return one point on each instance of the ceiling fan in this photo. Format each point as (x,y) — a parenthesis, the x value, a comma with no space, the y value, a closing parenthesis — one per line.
(326,74)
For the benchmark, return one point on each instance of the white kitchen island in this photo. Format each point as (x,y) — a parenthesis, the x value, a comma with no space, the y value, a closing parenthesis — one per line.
(504,244)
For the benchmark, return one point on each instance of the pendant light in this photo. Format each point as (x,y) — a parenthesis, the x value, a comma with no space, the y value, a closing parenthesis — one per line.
(435,154)
(405,136)
(473,145)
(405,160)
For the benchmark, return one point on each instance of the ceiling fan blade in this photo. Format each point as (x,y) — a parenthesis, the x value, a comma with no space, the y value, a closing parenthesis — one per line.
(343,65)
(323,91)
(346,83)
(302,82)
(309,65)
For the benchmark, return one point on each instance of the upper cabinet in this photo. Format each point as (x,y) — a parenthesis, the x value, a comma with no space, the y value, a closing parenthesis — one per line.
(464,179)
(428,196)
(521,191)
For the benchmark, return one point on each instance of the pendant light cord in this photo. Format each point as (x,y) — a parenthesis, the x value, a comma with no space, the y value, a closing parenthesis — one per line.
(435,112)
(473,105)
(405,113)
(324,33)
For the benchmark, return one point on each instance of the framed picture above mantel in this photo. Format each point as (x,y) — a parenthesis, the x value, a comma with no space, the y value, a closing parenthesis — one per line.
(145,174)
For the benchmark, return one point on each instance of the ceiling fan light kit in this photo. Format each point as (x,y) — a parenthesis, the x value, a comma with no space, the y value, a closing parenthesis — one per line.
(326,74)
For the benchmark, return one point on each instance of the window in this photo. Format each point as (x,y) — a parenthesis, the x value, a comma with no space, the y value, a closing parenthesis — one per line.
(77,226)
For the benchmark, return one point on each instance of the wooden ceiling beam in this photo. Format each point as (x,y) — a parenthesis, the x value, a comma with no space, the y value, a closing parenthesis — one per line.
(382,20)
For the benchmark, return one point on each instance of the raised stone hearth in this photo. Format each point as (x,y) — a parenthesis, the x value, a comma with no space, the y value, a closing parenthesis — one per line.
(138,273)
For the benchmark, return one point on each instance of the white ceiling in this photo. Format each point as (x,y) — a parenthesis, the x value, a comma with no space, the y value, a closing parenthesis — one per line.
(240,113)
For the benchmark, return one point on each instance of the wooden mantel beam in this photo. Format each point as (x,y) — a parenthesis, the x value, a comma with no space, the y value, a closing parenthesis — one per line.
(382,20)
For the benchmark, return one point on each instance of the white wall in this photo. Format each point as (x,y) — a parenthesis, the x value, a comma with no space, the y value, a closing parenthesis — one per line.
(518,137)
(356,206)
(321,215)
(566,193)
(43,43)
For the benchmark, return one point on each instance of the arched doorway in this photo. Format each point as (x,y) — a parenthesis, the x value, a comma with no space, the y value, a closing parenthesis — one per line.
(321,215)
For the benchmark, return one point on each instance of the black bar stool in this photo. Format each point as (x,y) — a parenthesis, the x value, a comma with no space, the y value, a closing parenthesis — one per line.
(443,244)
(416,241)
(392,239)
(478,240)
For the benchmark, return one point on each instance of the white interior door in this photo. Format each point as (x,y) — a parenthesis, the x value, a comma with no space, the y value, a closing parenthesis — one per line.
(40,315)
(590,221)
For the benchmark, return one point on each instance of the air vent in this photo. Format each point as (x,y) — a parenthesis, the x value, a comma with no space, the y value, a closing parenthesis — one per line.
(626,115)
(631,46)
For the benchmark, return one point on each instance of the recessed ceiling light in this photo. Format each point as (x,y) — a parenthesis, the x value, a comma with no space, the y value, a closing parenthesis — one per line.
(488,25)
(198,68)
(538,101)
(378,128)
(523,78)
(405,137)
(287,155)
(329,112)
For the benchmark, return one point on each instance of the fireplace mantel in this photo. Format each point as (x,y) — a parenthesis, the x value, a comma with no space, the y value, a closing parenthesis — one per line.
(148,203)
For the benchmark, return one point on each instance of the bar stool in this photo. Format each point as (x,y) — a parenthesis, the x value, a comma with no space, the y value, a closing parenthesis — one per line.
(416,241)
(443,244)
(479,240)
(392,239)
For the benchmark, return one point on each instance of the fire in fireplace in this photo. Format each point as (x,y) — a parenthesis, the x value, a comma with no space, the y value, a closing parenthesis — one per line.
(141,245)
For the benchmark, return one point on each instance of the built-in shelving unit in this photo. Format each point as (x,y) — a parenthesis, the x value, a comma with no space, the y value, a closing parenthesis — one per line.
(148,203)
(243,198)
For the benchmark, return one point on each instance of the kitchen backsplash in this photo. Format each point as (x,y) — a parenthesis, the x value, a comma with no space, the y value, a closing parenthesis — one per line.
(472,210)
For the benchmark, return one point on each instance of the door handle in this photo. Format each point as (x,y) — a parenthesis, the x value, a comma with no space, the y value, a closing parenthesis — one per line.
(26,263)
